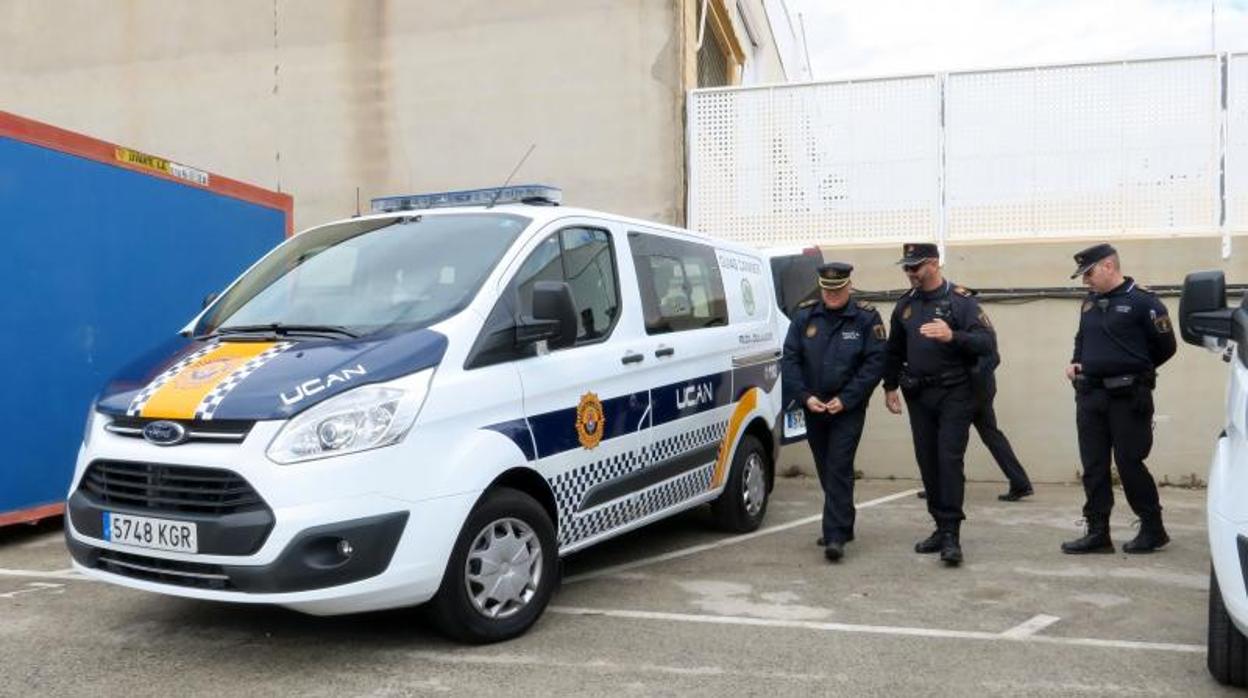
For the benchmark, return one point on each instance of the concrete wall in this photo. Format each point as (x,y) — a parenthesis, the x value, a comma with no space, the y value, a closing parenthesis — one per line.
(1035,404)
(318,97)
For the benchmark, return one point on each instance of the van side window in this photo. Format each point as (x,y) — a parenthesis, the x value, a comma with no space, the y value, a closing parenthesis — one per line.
(681,287)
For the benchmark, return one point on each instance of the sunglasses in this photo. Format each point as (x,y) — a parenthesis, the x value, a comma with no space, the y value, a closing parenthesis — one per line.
(911,268)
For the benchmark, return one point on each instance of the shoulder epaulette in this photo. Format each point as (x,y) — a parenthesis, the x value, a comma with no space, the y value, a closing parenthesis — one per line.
(963,291)
(807,303)
(1145,289)
(865,305)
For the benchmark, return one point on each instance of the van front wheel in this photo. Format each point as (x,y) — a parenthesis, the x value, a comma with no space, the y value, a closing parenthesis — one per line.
(743,504)
(1228,649)
(502,570)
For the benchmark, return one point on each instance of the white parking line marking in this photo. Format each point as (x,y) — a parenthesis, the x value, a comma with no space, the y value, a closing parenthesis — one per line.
(875,629)
(67,573)
(1030,627)
(685,552)
(34,587)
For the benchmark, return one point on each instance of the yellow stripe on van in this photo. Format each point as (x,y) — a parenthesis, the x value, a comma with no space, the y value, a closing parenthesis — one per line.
(744,407)
(178,398)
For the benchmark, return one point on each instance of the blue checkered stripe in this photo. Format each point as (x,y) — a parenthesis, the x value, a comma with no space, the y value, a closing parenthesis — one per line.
(208,406)
(570,487)
(140,400)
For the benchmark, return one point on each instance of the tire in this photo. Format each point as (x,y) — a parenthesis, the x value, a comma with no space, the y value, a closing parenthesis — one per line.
(504,525)
(1228,648)
(743,504)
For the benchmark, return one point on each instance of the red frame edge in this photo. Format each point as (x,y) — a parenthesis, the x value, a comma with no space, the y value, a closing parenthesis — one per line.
(48,136)
(31,515)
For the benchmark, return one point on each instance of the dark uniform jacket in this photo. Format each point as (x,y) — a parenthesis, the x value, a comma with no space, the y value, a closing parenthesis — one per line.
(1125,331)
(923,358)
(834,354)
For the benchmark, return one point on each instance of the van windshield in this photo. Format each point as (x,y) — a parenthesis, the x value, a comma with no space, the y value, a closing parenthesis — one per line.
(366,276)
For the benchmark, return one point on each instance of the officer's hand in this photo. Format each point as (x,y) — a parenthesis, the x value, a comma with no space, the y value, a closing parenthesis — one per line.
(1073,370)
(892,400)
(834,405)
(937,330)
(813,404)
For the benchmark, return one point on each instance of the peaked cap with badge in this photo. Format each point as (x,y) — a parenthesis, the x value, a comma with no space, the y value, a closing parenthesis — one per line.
(1084,259)
(915,252)
(834,275)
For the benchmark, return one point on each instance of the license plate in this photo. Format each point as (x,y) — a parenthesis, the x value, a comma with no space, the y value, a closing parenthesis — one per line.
(145,532)
(794,424)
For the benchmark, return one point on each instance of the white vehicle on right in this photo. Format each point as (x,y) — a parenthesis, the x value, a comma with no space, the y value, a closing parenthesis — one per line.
(1206,321)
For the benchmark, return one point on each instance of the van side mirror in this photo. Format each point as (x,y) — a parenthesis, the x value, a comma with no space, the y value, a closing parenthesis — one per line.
(208,299)
(552,317)
(1202,309)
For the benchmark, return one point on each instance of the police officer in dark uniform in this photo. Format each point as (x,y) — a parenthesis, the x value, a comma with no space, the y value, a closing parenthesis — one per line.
(833,359)
(1124,335)
(938,334)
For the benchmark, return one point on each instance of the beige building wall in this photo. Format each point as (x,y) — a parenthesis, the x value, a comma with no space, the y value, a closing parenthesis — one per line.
(1035,403)
(319,97)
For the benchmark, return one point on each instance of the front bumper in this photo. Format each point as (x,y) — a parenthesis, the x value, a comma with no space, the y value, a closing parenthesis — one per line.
(314,559)
(398,559)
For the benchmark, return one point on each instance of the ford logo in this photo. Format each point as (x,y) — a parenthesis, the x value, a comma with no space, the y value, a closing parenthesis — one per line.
(164,433)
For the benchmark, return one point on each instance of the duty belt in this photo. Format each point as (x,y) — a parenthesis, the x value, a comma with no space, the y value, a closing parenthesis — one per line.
(947,379)
(1122,382)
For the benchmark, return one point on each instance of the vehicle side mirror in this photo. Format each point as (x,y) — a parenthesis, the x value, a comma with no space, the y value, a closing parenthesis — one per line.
(208,299)
(1202,309)
(552,317)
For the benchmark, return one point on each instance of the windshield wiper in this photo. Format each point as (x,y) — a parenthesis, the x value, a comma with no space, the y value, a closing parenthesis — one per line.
(281,329)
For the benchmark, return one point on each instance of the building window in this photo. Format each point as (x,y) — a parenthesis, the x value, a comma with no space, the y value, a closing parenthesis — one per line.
(721,56)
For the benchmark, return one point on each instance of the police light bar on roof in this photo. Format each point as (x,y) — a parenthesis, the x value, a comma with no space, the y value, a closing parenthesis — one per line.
(521,193)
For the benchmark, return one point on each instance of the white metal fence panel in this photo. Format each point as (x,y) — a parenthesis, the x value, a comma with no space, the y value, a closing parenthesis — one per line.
(1083,151)
(1237,143)
(1105,151)
(836,162)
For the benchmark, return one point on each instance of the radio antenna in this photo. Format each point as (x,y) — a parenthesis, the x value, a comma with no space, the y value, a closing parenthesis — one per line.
(513,174)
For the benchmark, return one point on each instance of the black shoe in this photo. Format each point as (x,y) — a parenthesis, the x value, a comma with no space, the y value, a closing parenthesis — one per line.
(950,549)
(922,494)
(1096,540)
(1014,495)
(1152,536)
(931,544)
(821,542)
(834,551)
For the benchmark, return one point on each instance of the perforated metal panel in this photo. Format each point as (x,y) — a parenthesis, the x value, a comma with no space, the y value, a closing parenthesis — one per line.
(1237,143)
(1101,150)
(1106,151)
(836,162)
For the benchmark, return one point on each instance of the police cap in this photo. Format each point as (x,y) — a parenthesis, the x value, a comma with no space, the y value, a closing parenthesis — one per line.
(915,252)
(834,275)
(1084,259)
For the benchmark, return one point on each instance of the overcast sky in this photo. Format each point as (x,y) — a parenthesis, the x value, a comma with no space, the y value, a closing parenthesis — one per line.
(868,38)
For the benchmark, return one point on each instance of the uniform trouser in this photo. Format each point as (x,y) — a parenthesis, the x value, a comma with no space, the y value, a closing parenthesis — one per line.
(1121,425)
(833,441)
(985,421)
(940,421)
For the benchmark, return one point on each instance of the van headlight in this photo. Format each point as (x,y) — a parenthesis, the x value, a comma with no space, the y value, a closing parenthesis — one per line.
(370,416)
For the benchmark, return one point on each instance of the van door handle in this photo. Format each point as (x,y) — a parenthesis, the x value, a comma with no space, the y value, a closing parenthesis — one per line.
(632,358)
(664,351)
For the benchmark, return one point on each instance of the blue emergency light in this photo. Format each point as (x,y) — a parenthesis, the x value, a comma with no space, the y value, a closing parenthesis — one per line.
(520,193)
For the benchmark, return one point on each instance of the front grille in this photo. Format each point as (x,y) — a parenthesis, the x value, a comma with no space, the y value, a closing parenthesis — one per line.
(211,431)
(169,488)
(156,569)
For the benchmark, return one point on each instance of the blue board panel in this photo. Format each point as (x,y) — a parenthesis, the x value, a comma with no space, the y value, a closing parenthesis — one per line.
(100,264)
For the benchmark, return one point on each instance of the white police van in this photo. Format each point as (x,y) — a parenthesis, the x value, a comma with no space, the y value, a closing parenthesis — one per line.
(1205,320)
(434,403)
